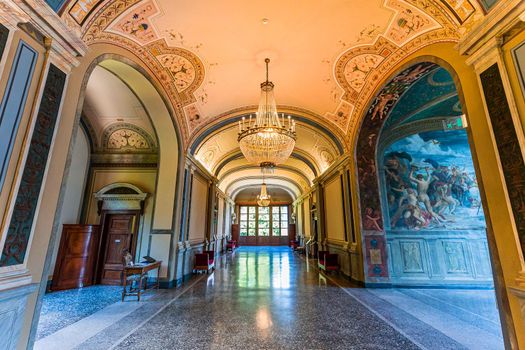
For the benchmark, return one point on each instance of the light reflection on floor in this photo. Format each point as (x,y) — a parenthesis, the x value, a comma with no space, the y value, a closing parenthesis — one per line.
(269,297)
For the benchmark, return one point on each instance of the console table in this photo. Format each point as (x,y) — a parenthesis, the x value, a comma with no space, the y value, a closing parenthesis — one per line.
(140,270)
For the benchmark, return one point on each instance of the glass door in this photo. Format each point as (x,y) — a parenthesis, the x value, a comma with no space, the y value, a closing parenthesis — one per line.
(263,225)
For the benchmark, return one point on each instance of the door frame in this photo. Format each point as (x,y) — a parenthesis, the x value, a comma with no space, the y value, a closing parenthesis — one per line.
(102,243)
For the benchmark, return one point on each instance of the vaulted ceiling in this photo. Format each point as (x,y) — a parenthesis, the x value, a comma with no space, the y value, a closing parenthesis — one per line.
(326,56)
(327,59)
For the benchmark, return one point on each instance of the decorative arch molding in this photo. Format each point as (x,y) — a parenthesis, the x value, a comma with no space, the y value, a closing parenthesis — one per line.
(254,167)
(127,138)
(299,155)
(284,188)
(270,180)
(233,117)
(124,63)
(299,114)
(179,71)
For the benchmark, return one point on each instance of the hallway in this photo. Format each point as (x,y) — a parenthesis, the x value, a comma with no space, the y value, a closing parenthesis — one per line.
(268,298)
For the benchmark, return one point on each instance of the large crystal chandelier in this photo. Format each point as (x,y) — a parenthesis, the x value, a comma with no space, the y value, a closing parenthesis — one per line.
(267,140)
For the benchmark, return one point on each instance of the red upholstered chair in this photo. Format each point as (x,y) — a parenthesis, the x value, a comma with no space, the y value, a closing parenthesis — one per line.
(231,245)
(327,261)
(204,261)
(211,258)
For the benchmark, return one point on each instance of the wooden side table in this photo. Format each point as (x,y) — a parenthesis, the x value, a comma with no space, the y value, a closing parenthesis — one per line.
(140,270)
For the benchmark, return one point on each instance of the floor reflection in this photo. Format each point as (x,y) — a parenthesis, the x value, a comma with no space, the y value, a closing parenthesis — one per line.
(267,267)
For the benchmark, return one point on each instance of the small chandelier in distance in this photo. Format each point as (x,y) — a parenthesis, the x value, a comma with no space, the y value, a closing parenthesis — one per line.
(263,199)
(267,140)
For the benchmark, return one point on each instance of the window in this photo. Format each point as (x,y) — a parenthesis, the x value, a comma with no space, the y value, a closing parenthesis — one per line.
(264,221)
(247,221)
(280,221)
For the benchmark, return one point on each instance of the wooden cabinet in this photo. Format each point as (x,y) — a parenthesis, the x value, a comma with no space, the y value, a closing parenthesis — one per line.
(75,264)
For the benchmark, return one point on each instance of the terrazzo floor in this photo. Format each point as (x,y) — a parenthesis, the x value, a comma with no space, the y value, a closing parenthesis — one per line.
(270,298)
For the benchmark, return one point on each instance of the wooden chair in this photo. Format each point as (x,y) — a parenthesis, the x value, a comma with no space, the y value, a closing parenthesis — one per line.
(327,261)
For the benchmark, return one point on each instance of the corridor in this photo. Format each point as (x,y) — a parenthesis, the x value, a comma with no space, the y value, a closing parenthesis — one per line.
(269,298)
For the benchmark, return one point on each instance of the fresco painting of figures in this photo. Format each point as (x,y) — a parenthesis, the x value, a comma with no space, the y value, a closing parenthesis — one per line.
(431,183)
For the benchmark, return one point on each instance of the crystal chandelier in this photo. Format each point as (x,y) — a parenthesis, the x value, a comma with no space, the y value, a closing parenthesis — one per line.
(263,199)
(267,140)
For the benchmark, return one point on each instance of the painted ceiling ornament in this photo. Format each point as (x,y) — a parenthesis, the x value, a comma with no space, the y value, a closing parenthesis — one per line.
(127,138)
(181,70)
(267,140)
(135,23)
(185,70)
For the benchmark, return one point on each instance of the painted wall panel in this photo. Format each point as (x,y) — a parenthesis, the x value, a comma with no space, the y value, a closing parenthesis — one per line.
(199,203)
(307,217)
(334,209)
(20,226)
(14,101)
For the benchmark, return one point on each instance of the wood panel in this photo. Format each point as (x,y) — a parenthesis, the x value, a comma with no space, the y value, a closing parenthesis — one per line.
(76,257)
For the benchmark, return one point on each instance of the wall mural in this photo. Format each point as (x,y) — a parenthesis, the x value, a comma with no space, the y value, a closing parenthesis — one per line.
(431,183)
(371,214)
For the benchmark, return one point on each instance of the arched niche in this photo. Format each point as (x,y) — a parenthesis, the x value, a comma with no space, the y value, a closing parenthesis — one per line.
(149,91)
(418,226)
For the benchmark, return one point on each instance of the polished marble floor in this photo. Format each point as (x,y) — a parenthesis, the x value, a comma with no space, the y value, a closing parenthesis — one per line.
(270,298)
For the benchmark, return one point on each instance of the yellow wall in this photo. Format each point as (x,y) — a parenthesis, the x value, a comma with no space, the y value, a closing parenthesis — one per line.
(307,218)
(198,209)
(333,207)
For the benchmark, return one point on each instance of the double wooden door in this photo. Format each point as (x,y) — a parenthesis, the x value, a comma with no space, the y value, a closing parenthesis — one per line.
(119,233)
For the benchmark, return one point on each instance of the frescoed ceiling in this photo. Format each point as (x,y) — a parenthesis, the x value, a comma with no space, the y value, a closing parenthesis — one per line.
(432,95)
(327,58)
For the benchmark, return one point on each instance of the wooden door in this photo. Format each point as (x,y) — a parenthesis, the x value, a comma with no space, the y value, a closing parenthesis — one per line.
(75,263)
(119,233)
(235,232)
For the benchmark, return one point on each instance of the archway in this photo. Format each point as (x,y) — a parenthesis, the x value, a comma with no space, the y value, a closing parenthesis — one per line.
(422,220)
(125,147)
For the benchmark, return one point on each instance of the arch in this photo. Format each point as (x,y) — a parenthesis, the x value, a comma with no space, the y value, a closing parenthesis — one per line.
(205,133)
(374,206)
(168,134)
